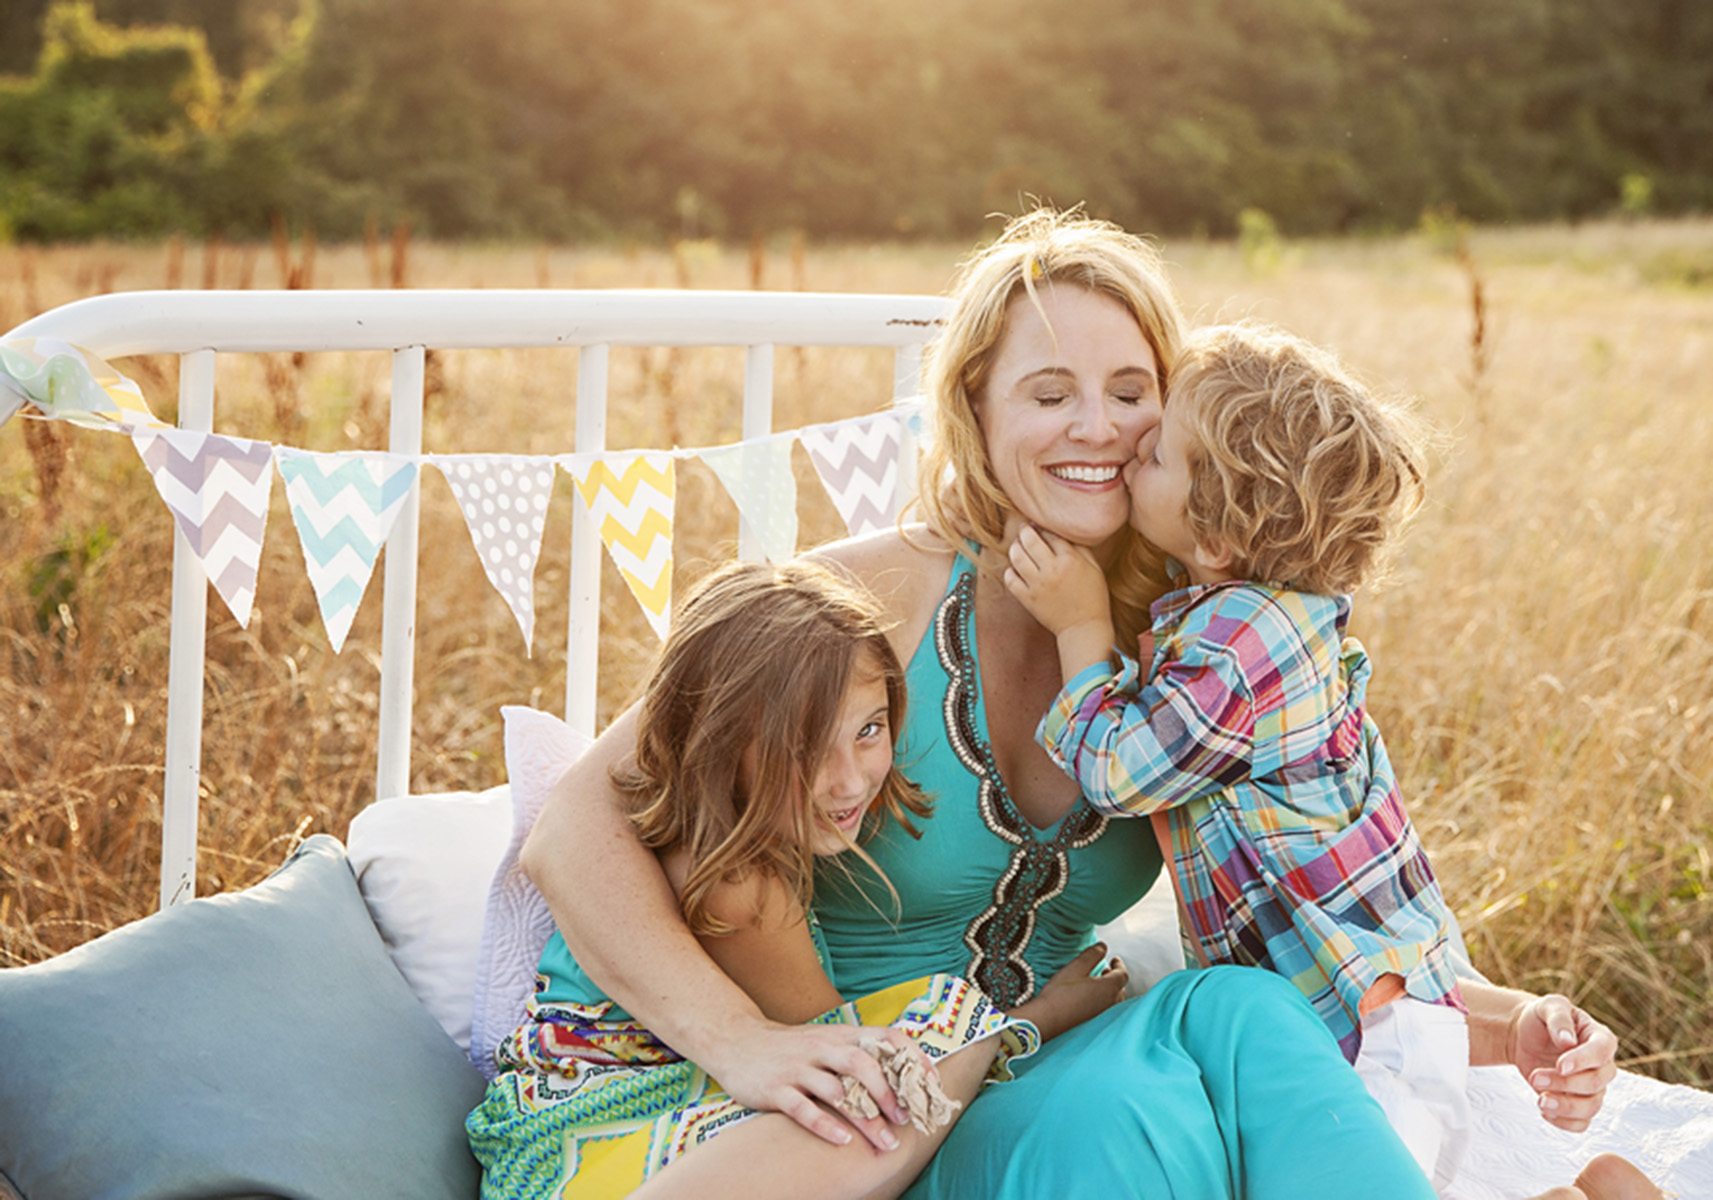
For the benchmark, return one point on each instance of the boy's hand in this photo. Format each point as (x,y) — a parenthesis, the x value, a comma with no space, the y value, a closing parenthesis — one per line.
(1074,994)
(1567,1057)
(1064,588)
(1059,583)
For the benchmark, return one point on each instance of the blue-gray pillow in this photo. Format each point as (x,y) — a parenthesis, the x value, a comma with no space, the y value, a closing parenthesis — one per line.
(259,1043)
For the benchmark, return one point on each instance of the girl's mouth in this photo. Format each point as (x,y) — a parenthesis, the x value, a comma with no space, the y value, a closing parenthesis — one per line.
(845,817)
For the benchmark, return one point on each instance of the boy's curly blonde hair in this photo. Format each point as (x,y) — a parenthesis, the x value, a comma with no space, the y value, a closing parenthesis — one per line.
(1295,467)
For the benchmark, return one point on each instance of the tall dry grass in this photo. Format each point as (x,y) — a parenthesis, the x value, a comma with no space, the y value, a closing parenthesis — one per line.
(1544,670)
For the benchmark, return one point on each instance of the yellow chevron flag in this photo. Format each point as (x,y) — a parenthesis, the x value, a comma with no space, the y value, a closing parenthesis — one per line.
(628,495)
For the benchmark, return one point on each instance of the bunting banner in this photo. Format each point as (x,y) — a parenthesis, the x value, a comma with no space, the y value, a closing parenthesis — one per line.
(344,506)
(858,465)
(629,497)
(70,383)
(217,488)
(504,501)
(757,476)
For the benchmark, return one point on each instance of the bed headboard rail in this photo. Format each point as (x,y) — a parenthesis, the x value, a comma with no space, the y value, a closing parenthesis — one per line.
(199,325)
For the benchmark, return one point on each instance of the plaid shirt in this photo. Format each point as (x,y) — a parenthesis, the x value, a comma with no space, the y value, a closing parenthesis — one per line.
(1272,793)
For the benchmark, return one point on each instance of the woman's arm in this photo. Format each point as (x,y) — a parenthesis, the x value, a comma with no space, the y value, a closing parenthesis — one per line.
(765,1157)
(1566,1055)
(612,902)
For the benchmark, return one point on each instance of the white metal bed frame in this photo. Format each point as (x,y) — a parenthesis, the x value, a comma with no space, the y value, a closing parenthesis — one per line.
(198,325)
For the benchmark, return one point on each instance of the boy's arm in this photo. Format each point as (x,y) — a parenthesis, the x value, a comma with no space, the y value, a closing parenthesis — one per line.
(1064,589)
(1566,1055)
(1137,750)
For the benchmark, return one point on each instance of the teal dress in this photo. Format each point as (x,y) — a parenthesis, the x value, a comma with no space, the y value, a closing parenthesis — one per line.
(1217,1083)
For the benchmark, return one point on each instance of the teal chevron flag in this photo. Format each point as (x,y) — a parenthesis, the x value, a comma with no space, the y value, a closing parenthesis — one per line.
(344,506)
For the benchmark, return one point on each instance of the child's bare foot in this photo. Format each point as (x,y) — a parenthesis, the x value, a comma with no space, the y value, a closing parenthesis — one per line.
(1608,1177)
(1562,1193)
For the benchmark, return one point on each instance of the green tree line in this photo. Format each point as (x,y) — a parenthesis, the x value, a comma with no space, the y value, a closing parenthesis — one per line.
(569,118)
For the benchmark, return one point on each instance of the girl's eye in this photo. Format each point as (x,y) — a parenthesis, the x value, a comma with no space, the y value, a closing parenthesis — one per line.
(1050,399)
(870,730)
(1130,398)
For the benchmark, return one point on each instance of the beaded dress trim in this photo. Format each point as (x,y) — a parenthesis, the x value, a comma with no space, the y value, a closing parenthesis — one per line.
(1038,869)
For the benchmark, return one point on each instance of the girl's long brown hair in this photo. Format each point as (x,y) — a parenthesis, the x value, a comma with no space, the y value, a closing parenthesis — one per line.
(760,656)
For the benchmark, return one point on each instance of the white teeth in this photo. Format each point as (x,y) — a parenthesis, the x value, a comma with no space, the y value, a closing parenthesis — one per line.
(1104,474)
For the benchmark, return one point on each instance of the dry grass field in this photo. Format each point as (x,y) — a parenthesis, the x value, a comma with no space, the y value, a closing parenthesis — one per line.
(1544,658)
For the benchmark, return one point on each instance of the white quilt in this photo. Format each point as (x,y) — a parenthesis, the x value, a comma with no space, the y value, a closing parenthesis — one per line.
(1665,1130)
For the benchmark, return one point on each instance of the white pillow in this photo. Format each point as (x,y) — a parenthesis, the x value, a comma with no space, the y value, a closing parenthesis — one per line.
(539,749)
(424,864)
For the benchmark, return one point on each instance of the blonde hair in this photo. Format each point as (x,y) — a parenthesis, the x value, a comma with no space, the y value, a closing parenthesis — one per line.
(960,498)
(1294,466)
(759,656)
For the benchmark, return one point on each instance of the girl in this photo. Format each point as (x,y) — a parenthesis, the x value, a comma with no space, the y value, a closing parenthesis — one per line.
(764,750)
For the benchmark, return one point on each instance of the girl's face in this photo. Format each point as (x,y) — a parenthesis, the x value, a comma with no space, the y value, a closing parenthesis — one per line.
(857,762)
(1065,403)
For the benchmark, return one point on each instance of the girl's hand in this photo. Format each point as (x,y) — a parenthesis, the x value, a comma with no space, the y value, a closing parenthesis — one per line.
(1075,994)
(799,1070)
(1567,1057)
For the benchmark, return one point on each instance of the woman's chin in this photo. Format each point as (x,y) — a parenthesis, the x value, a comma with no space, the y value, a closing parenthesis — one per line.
(1103,539)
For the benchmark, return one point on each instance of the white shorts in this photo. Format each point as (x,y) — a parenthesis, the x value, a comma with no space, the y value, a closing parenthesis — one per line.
(1415,1062)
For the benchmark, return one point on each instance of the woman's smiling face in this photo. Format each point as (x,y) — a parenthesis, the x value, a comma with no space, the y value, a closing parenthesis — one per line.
(1072,388)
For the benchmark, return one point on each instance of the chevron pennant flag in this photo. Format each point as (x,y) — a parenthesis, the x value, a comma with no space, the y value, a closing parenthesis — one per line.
(344,506)
(858,464)
(757,476)
(504,501)
(629,497)
(217,488)
(65,381)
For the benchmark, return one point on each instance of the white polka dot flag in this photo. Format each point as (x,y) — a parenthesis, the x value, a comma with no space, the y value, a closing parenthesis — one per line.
(629,497)
(757,476)
(858,464)
(504,501)
(344,505)
(217,488)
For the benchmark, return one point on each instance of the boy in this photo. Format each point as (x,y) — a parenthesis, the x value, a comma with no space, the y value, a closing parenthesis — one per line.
(1274,482)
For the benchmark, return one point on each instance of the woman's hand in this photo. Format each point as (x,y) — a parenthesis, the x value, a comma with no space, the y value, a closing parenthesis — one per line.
(1075,994)
(1566,1055)
(799,1070)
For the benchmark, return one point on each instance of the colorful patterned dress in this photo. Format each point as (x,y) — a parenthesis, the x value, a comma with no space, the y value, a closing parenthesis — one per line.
(588,1103)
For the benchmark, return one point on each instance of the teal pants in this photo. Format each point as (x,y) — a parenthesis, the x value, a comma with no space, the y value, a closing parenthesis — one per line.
(1219,1084)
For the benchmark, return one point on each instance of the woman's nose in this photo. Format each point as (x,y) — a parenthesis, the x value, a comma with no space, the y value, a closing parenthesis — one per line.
(1092,422)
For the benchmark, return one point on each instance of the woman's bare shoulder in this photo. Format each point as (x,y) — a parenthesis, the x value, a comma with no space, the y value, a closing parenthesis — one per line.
(906,570)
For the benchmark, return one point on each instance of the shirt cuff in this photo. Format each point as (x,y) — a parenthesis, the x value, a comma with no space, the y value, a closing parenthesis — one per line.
(1061,718)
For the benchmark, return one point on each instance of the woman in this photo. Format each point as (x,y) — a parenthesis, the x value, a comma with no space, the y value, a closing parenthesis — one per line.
(1216,1083)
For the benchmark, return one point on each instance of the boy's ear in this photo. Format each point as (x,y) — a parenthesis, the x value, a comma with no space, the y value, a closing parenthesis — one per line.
(1214,556)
